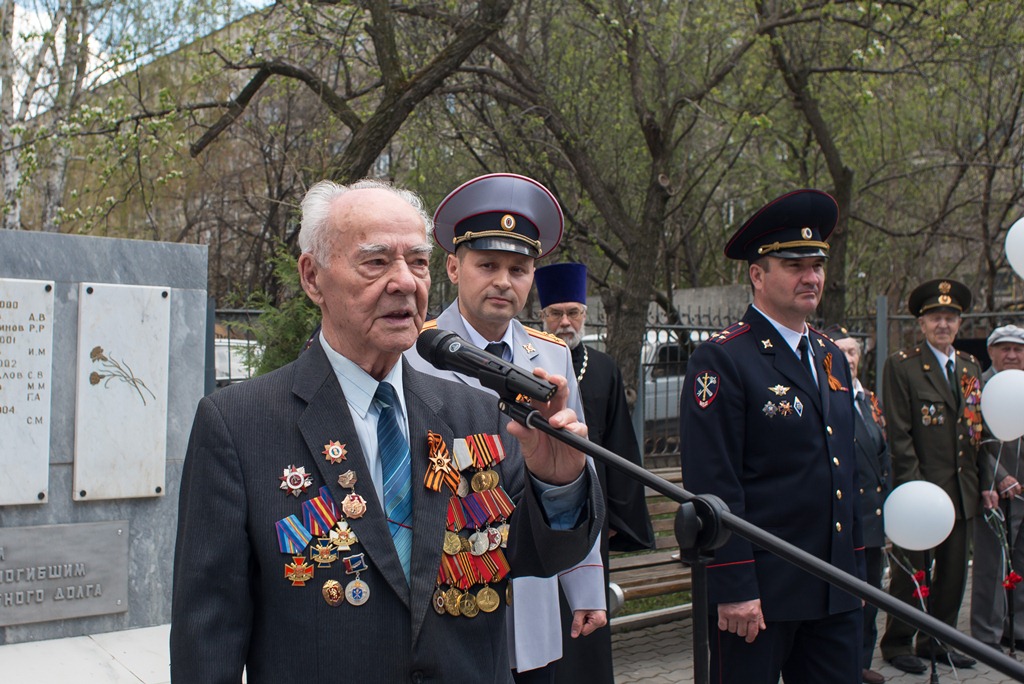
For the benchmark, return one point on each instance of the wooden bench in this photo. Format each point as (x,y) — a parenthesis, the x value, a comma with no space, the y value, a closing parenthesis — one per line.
(655,572)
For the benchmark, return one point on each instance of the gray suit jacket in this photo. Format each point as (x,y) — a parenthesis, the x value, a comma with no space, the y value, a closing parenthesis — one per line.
(233,607)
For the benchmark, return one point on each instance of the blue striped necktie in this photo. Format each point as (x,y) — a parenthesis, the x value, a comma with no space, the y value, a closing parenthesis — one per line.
(396,465)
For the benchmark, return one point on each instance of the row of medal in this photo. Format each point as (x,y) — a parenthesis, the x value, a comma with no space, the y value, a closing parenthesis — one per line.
(480,509)
(929,417)
(323,519)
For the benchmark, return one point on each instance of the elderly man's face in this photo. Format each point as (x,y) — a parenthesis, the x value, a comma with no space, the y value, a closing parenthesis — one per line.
(566,320)
(940,328)
(373,291)
(1007,356)
(851,349)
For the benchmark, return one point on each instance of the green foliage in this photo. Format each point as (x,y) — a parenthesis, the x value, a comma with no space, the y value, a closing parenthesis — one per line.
(284,326)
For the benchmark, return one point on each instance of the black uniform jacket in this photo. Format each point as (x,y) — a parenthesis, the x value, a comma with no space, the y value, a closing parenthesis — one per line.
(757,432)
(874,463)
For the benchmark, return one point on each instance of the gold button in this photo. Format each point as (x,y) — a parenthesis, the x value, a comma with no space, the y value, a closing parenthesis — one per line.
(960,437)
(835,461)
(878,511)
(839,527)
(960,454)
(861,490)
(959,469)
(839,493)
(829,429)
(878,489)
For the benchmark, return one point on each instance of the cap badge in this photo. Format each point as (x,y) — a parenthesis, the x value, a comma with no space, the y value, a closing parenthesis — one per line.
(945,299)
(944,287)
(806,233)
(508,222)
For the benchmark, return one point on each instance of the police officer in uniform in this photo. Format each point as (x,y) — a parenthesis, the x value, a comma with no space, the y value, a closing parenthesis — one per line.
(562,291)
(874,463)
(494,228)
(932,402)
(767,425)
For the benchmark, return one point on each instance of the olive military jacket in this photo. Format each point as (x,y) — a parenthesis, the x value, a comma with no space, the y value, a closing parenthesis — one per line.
(933,435)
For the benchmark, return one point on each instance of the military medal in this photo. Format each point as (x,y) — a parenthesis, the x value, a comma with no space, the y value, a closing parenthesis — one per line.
(319,513)
(292,535)
(493,538)
(354,506)
(487,600)
(779,390)
(295,481)
(467,605)
(347,480)
(479,543)
(503,528)
(342,536)
(452,543)
(297,572)
(798,406)
(785,408)
(437,601)
(324,555)
(357,592)
(769,409)
(442,471)
(332,592)
(484,480)
(335,452)
(451,601)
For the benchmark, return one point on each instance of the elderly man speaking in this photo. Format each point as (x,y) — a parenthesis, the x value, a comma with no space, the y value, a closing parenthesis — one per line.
(321,533)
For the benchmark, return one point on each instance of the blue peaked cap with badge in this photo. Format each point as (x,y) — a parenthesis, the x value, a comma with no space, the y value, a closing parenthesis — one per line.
(561,283)
(500,211)
(793,226)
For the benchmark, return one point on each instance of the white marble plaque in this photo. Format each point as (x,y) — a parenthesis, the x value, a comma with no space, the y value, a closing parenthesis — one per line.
(26,343)
(121,407)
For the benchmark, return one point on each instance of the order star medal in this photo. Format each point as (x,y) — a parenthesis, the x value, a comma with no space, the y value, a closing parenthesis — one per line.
(295,481)
(335,452)
(298,572)
(779,390)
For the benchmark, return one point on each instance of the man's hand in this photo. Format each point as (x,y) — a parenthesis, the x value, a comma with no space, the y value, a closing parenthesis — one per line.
(742,619)
(586,622)
(1008,487)
(548,459)
(989,499)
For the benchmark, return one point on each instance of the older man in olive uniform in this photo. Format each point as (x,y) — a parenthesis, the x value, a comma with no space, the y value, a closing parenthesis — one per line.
(989,599)
(494,228)
(767,425)
(932,403)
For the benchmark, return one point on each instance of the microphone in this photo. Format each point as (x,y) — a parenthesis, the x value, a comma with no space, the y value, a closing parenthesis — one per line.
(445,350)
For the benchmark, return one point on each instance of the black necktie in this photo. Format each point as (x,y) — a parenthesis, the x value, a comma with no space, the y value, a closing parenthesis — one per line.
(953,384)
(805,354)
(496,348)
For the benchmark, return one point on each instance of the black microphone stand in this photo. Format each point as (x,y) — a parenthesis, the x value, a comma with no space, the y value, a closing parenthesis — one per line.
(703,523)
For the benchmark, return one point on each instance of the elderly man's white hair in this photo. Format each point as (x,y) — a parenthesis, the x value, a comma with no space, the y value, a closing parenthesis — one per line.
(314,235)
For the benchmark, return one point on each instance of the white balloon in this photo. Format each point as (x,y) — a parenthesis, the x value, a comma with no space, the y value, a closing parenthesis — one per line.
(1001,403)
(918,515)
(1015,247)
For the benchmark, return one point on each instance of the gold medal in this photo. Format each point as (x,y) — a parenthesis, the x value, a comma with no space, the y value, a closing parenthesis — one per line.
(466,545)
(452,543)
(487,600)
(333,592)
(467,605)
(437,601)
(451,601)
(481,481)
(504,529)
(508,593)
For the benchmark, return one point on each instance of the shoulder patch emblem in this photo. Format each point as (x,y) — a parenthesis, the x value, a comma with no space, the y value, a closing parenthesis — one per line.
(734,330)
(705,388)
(540,334)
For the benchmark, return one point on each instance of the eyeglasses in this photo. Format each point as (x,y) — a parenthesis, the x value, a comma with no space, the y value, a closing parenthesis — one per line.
(556,314)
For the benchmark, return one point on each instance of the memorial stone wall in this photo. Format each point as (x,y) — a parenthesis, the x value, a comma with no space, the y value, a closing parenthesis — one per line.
(102,353)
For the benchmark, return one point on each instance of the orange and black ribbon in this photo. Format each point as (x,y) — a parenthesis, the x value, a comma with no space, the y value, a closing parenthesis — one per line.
(833,382)
(441,470)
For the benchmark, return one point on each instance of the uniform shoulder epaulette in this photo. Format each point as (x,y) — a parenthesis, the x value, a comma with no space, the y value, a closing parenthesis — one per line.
(823,334)
(540,334)
(429,325)
(904,354)
(967,355)
(734,330)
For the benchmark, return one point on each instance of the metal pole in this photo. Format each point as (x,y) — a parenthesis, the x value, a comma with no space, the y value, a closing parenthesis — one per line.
(881,339)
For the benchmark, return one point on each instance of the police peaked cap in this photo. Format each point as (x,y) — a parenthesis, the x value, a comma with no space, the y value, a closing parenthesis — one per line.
(942,293)
(500,211)
(561,283)
(793,226)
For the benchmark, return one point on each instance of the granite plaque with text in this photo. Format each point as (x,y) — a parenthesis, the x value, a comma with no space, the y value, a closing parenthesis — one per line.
(26,343)
(56,572)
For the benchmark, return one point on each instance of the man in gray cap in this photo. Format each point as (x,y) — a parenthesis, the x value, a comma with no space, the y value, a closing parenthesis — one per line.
(494,228)
(989,619)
